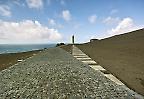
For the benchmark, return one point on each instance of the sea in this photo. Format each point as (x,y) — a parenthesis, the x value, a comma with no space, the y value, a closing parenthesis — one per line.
(16,48)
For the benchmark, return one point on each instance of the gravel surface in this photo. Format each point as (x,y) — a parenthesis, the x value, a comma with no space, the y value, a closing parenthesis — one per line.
(53,74)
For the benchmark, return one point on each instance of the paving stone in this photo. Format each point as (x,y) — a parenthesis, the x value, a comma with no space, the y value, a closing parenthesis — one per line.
(84,58)
(97,67)
(113,78)
(89,62)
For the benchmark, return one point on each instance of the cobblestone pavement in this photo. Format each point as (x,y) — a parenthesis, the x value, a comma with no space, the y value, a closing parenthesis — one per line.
(55,74)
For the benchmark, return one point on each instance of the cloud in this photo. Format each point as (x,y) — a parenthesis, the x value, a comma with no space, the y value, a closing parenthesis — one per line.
(92,19)
(110,20)
(66,15)
(35,3)
(27,30)
(124,26)
(51,22)
(62,2)
(5,10)
(113,11)
(18,3)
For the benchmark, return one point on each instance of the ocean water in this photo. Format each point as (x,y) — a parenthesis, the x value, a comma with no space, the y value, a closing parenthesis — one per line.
(6,48)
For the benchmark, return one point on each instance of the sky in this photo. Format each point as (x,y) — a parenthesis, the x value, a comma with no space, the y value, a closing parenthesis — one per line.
(54,21)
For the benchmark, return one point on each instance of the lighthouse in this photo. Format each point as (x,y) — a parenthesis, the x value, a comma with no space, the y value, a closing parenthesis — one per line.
(73,39)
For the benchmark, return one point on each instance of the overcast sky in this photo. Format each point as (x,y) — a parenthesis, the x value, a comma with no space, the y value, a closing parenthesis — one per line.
(52,21)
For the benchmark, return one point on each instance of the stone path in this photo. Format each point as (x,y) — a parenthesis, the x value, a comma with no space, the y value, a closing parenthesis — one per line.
(55,74)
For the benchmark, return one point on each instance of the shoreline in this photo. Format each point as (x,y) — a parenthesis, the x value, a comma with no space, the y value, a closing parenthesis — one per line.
(18,48)
(20,52)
